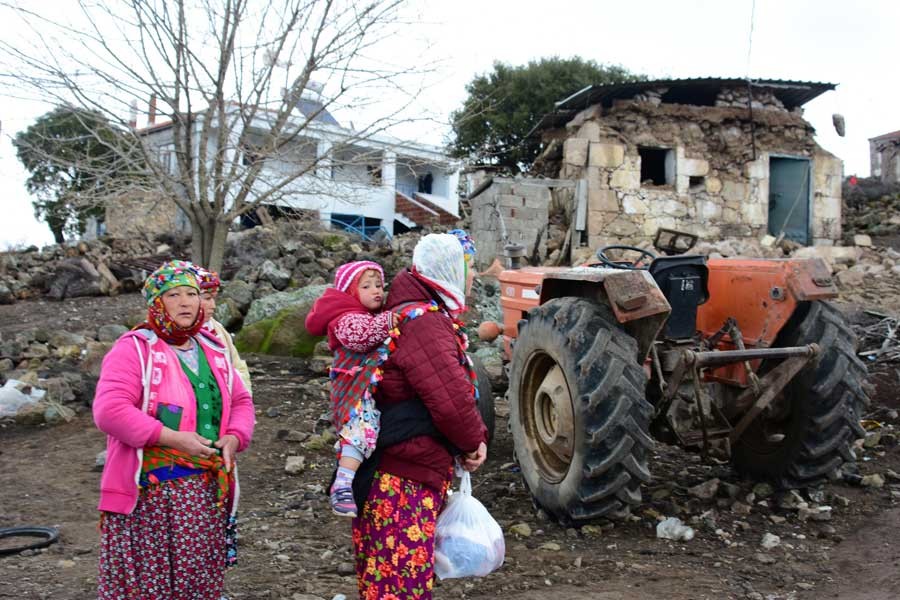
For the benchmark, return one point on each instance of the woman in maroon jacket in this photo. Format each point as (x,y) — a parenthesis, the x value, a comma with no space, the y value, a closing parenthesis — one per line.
(426,396)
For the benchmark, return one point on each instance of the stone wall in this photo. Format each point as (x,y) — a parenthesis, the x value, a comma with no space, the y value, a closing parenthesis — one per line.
(142,215)
(714,186)
(518,206)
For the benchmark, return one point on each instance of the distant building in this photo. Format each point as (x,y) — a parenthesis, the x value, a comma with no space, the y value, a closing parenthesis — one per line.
(884,157)
(713,157)
(364,183)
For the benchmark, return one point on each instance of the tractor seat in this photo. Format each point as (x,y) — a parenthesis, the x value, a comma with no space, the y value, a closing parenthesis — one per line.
(683,281)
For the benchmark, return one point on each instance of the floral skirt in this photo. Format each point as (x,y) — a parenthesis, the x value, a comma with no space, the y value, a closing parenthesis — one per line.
(393,539)
(171,547)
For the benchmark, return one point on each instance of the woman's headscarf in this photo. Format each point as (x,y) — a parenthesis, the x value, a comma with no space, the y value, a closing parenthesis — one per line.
(206,279)
(170,275)
(439,260)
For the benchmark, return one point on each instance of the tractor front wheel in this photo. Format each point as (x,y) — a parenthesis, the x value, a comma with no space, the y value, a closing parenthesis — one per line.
(578,415)
(809,430)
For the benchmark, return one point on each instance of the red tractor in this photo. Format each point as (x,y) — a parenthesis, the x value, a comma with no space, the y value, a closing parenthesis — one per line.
(739,357)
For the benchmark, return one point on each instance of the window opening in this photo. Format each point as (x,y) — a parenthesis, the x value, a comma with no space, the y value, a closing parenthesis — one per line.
(657,166)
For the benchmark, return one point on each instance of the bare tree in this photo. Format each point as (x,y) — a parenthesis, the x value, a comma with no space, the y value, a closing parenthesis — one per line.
(239,85)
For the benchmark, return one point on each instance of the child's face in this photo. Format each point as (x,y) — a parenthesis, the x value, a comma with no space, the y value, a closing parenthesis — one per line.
(371,290)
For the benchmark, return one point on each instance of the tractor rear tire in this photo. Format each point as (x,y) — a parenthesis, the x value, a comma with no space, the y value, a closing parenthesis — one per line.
(578,414)
(485,396)
(826,401)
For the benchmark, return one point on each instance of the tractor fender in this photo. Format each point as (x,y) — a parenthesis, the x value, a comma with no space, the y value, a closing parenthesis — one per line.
(632,296)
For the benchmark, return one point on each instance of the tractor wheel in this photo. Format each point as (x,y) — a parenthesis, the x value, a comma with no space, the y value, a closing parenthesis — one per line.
(578,414)
(814,421)
(485,396)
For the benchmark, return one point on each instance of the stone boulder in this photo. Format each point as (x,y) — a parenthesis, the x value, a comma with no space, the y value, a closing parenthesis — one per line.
(278,277)
(239,291)
(75,277)
(268,306)
(227,313)
(284,334)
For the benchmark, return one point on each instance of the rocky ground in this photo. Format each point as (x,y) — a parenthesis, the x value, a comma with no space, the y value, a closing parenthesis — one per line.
(750,542)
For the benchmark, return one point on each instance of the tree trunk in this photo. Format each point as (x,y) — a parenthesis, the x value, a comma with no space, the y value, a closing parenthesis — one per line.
(208,242)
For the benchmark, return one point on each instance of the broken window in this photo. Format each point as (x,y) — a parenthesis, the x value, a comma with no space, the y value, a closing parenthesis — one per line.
(657,166)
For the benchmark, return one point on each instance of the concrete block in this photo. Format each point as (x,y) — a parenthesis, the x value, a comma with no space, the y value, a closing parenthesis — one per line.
(843,255)
(863,240)
(625,179)
(596,222)
(734,191)
(622,226)
(633,205)
(590,131)
(672,207)
(575,151)
(757,169)
(693,167)
(708,210)
(607,155)
(597,178)
(713,185)
(602,200)
(753,214)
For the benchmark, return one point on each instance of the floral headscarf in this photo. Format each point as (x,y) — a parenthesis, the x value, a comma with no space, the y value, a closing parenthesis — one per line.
(206,279)
(438,259)
(170,275)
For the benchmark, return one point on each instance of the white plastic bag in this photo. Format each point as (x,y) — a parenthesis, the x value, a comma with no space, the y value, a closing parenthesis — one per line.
(468,541)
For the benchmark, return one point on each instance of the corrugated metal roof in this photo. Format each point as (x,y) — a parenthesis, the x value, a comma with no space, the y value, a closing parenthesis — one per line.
(886,136)
(701,91)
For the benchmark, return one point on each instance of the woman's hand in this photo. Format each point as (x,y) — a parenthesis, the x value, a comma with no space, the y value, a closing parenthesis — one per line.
(229,445)
(187,441)
(472,460)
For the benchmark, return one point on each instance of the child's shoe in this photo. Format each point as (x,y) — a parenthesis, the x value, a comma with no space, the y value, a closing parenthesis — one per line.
(342,503)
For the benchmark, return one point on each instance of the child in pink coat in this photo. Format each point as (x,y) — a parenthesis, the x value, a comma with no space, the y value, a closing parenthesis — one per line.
(350,315)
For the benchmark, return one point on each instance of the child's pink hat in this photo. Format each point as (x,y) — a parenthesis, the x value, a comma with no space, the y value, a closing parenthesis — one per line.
(346,274)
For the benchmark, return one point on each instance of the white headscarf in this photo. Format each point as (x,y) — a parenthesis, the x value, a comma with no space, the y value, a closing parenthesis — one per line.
(438,258)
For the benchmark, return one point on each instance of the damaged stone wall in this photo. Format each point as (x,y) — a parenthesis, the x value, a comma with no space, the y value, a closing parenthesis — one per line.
(142,215)
(714,186)
(518,210)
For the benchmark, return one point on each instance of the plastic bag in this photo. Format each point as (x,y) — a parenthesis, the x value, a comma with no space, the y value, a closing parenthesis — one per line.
(468,541)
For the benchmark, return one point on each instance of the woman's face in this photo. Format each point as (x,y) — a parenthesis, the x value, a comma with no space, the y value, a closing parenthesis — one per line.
(208,302)
(182,303)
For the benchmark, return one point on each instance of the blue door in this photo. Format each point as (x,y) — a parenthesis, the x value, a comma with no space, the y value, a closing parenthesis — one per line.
(789,198)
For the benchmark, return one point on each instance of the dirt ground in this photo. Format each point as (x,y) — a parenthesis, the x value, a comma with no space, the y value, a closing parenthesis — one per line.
(291,545)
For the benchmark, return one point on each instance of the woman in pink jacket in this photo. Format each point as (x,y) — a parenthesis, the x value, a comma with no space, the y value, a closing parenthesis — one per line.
(175,414)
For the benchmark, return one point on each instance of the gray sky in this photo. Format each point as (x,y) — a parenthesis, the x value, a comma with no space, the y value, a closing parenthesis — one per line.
(854,45)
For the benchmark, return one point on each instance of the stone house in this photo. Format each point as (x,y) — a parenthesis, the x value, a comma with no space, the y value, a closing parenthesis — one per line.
(363,183)
(714,157)
(884,157)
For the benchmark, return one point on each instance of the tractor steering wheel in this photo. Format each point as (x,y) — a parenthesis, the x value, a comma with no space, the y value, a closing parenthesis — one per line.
(637,264)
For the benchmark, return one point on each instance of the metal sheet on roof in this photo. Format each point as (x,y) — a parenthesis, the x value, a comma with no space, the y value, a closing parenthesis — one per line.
(700,91)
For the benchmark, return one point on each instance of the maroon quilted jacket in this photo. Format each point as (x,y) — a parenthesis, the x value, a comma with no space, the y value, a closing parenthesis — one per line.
(425,365)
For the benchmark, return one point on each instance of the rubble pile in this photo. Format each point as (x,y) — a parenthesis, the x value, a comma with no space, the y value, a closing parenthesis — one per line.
(875,216)
(88,268)
(50,374)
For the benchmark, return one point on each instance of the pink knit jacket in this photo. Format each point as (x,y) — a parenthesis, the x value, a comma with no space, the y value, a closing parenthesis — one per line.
(138,373)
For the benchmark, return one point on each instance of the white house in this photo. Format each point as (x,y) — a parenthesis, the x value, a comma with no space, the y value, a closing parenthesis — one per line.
(354,180)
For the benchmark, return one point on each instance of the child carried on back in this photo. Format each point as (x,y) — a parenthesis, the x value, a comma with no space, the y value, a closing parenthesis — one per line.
(350,314)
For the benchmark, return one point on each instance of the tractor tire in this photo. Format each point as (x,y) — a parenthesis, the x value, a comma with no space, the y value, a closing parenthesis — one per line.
(578,414)
(485,396)
(811,435)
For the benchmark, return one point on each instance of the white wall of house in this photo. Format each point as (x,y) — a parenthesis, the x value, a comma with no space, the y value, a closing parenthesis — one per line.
(360,180)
